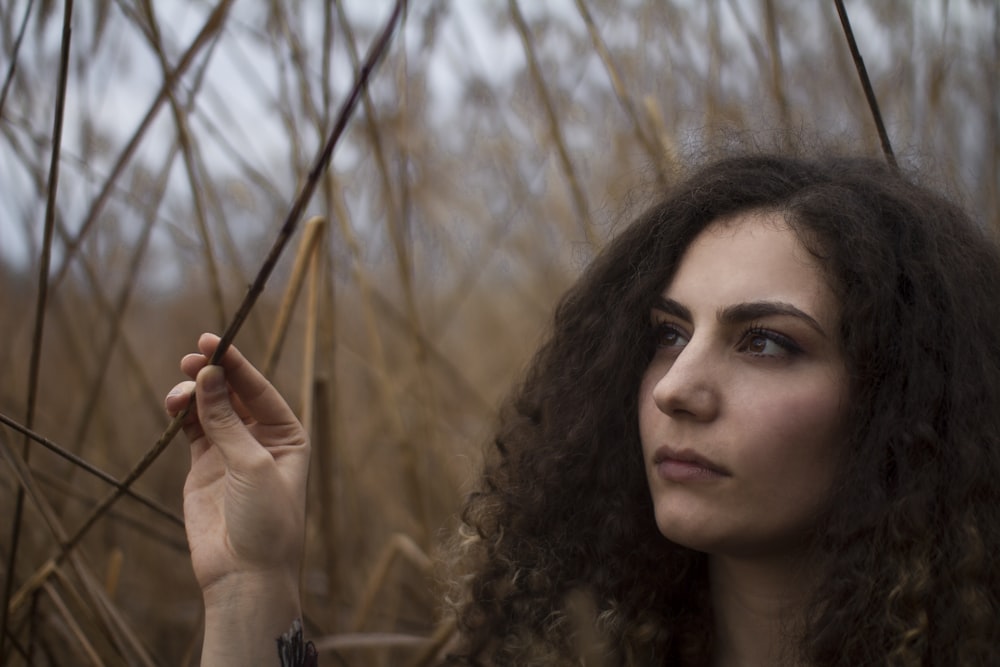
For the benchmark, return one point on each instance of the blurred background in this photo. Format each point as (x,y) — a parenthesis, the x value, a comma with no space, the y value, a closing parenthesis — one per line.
(498,146)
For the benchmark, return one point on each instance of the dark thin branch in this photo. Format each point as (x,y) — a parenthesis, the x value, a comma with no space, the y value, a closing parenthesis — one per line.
(866,83)
(92,469)
(40,304)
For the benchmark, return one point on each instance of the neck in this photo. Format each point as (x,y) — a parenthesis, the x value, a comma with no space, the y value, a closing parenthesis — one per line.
(757,606)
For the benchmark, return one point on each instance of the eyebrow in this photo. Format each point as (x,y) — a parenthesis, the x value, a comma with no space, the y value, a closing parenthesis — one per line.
(742,312)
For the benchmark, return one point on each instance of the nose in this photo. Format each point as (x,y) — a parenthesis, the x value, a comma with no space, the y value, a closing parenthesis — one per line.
(688,388)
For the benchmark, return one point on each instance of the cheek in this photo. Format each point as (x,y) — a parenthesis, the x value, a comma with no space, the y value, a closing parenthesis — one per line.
(797,434)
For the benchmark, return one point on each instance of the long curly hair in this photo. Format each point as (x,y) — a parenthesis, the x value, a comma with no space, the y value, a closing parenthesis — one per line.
(906,549)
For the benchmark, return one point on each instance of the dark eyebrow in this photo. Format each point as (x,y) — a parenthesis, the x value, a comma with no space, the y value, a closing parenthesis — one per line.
(755,310)
(742,312)
(671,307)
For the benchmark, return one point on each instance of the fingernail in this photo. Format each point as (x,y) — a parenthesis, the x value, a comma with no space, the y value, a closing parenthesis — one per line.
(176,391)
(214,378)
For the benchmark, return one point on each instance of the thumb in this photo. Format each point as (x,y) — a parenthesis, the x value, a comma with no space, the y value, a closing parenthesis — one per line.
(222,425)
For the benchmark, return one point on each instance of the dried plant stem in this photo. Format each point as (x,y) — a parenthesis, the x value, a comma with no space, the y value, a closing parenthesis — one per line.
(9,78)
(655,115)
(212,25)
(285,233)
(74,628)
(325,449)
(777,75)
(115,315)
(308,244)
(188,154)
(662,167)
(40,306)
(312,327)
(866,84)
(93,470)
(395,225)
(445,632)
(97,602)
(579,201)
(399,545)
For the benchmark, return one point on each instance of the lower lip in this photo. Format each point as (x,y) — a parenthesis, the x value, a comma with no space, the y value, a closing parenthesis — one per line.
(685,471)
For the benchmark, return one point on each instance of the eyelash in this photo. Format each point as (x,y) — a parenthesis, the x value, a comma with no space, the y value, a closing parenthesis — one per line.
(781,340)
(661,329)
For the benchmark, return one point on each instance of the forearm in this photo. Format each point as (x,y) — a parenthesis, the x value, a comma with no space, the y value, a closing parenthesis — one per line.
(244,618)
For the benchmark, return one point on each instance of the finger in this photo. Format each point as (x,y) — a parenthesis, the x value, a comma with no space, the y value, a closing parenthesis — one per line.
(178,398)
(261,400)
(192,363)
(223,427)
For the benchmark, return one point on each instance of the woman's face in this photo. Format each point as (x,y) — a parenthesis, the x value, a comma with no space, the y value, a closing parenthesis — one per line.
(741,407)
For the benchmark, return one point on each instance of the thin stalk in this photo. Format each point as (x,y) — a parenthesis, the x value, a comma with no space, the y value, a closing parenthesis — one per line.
(74,628)
(578,199)
(86,466)
(866,84)
(308,245)
(212,26)
(777,75)
(647,142)
(9,78)
(40,305)
(285,233)
(396,225)
(312,327)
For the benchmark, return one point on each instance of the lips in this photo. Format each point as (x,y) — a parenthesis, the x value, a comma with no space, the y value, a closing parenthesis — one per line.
(686,465)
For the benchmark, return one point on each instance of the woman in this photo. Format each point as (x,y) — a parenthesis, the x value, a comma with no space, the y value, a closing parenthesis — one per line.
(764,430)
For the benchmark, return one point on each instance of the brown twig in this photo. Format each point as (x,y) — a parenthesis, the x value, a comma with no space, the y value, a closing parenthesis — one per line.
(83,464)
(866,84)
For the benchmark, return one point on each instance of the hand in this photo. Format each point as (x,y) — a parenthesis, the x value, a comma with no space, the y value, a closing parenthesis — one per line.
(244,498)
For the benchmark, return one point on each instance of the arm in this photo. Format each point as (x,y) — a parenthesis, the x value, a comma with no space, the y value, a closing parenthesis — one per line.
(244,504)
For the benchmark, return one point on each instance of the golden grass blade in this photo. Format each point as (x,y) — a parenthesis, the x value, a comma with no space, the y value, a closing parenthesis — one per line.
(866,84)
(312,324)
(308,244)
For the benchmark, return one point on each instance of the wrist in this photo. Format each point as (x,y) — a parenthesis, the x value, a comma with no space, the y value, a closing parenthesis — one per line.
(244,616)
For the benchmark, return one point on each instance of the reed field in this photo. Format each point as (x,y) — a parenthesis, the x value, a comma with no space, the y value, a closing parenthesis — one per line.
(150,157)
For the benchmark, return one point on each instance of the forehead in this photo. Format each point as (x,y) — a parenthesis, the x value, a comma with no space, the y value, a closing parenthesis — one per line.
(751,257)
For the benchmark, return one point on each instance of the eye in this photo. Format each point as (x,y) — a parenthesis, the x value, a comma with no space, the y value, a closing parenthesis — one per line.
(761,342)
(668,336)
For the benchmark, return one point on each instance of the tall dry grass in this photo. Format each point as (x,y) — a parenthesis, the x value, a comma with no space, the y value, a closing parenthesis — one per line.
(499,145)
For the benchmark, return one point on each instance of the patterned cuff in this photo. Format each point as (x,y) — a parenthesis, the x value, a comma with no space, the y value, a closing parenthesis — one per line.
(294,651)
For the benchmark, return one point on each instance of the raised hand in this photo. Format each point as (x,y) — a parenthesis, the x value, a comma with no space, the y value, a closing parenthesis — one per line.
(244,499)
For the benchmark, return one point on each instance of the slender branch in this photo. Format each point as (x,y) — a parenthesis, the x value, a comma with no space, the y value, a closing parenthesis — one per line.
(40,304)
(92,469)
(866,83)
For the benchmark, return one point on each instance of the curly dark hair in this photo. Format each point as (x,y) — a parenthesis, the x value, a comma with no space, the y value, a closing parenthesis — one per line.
(906,548)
